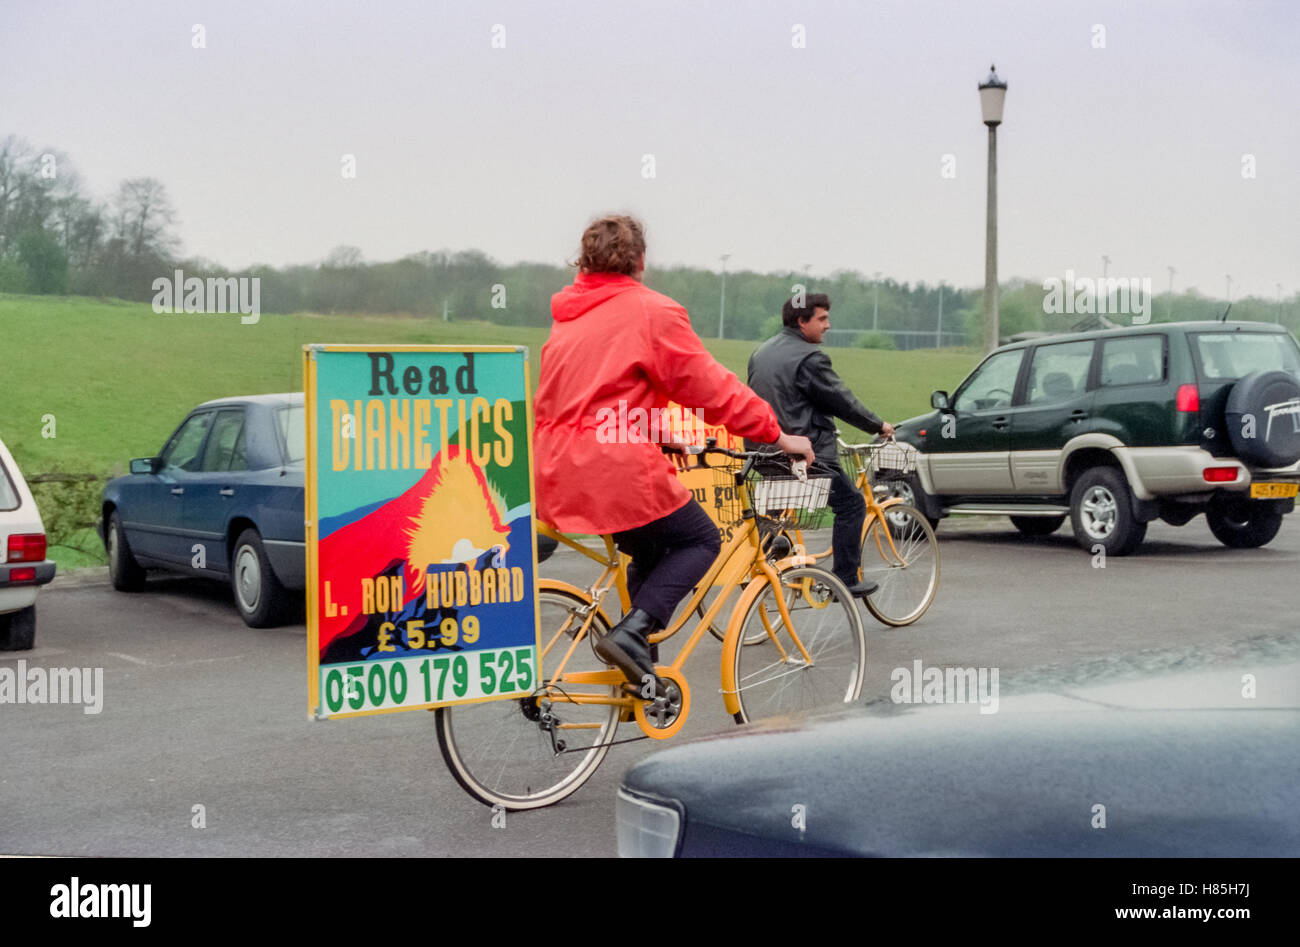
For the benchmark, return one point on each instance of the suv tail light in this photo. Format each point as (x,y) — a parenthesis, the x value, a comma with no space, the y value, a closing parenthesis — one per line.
(1187,399)
(1219,474)
(26,547)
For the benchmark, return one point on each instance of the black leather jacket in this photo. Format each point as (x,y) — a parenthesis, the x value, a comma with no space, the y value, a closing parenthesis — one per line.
(795,377)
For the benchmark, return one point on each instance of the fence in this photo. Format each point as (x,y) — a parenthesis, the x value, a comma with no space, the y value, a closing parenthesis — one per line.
(903,338)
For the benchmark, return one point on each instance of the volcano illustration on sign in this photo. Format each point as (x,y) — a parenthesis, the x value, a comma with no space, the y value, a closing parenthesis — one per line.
(446,531)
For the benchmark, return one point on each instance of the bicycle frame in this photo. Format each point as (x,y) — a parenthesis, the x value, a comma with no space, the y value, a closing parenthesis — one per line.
(731,569)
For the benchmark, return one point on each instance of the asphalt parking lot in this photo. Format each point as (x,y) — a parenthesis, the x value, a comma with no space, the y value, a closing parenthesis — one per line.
(203,745)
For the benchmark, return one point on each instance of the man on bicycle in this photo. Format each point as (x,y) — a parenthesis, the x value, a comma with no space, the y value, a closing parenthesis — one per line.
(793,374)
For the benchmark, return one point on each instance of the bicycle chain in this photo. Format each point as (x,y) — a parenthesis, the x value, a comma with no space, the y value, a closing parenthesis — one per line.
(583,749)
(596,746)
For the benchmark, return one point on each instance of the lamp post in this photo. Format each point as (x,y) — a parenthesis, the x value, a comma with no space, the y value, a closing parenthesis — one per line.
(1169,315)
(1277,318)
(1228,278)
(938,332)
(993,93)
(1105,265)
(875,306)
(722,307)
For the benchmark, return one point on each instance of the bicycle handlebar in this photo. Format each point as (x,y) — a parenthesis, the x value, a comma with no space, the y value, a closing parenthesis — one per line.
(710,446)
(798,466)
(874,445)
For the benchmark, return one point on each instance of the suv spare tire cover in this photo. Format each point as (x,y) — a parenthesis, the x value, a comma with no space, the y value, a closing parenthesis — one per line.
(1272,400)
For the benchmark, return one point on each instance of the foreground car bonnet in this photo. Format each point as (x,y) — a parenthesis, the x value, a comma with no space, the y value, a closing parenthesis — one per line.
(1143,769)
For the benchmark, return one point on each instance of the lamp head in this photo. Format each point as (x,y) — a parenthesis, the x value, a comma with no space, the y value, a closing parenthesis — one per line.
(993,92)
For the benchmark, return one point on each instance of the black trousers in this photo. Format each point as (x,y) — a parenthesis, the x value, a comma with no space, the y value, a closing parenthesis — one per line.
(669,556)
(850,511)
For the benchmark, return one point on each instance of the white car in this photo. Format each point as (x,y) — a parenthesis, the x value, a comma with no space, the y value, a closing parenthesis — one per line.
(23,566)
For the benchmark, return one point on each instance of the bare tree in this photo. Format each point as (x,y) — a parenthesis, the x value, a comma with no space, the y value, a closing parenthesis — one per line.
(16,165)
(84,229)
(143,217)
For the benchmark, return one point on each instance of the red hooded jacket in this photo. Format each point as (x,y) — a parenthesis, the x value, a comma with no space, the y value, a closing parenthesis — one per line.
(613,340)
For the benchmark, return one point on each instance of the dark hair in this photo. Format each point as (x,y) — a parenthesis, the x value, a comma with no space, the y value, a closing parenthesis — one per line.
(792,316)
(612,244)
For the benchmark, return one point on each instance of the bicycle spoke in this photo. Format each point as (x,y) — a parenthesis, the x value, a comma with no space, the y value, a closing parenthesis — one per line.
(533,751)
(772,676)
(900,555)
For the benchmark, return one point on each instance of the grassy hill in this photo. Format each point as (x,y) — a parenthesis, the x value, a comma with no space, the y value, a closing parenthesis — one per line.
(117,378)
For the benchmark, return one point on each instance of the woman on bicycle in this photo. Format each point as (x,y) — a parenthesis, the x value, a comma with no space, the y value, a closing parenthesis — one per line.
(618,346)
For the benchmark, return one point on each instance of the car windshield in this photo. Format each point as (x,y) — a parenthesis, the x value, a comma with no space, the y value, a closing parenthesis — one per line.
(8,494)
(290,421)
(1227,356)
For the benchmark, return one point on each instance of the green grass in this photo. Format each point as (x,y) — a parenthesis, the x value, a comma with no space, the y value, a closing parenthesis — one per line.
(117,377)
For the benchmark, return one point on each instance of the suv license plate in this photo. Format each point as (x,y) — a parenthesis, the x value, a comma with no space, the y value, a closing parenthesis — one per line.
(1273,491)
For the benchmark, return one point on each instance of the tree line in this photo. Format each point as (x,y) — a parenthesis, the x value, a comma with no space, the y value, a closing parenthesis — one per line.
(55,238)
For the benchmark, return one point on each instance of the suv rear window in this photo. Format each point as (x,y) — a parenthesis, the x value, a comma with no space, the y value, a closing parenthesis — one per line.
(1227,356)
(1058,372)
(1132,361)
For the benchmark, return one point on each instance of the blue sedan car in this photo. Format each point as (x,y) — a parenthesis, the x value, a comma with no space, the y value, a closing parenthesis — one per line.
(223,499)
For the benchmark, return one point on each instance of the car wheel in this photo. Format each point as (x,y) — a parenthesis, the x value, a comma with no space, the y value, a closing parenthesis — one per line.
(909,490)
(1101,510)
(259,596)
(1037,525)
(18,630)
(123,571)
(1242,523)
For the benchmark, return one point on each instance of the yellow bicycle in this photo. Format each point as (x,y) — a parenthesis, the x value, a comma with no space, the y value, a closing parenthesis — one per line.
(899,550)
(805,648)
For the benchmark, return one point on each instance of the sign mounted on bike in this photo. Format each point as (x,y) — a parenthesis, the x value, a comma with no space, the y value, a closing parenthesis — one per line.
(421,557)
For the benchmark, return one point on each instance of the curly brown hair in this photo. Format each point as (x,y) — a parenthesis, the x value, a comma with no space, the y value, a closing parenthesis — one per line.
(612,244)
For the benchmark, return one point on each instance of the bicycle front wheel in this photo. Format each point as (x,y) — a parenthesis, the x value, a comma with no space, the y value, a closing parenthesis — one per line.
(774,675)
(776,544)
(901,555)
(529,753)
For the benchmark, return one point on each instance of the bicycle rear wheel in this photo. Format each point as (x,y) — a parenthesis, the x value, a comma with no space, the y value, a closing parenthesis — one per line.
(518,754)
(907,572)
(772,675)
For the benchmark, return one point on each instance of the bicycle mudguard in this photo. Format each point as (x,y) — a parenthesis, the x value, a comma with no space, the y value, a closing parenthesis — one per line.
(730,689)
(791,562)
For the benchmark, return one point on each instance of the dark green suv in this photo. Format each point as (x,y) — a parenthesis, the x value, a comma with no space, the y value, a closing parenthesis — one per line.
(1116,428)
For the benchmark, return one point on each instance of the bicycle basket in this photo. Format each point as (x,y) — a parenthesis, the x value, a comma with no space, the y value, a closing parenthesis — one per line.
(723,498)
(892,460)
(794,503)
(853,462)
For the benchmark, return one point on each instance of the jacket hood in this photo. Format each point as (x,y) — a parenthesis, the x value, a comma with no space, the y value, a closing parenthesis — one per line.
(588,291)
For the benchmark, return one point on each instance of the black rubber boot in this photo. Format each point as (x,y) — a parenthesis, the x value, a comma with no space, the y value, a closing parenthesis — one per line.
(858,588)
(627,649)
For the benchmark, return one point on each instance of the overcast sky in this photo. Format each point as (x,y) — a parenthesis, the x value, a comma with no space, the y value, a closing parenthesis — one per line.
(829,155)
